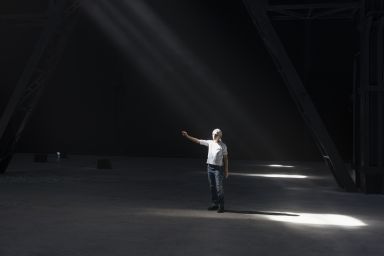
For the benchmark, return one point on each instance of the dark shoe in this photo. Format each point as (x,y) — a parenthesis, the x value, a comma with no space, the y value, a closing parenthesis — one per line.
(220,210)
(213,208)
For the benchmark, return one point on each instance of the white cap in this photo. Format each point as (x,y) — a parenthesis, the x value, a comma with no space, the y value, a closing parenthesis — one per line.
(216,131)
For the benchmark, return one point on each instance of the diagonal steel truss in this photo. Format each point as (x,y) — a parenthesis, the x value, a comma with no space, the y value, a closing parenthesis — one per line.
(61,20)
(258,12)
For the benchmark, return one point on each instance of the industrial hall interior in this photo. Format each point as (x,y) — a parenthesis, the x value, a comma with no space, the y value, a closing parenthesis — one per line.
(192,127)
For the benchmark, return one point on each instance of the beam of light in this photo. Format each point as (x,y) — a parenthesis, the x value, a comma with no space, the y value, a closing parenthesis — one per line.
(136,41)
(180,77)
(199,72)
(272,175)
(320,220)
(280,166)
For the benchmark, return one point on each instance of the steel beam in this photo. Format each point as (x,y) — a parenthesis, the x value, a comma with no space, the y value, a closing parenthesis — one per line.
(35,76)
(314,11)
(369,113)
(258,12)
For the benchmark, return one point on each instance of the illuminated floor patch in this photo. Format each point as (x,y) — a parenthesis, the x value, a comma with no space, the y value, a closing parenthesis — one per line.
(272,175)
(320,219)
(280,166)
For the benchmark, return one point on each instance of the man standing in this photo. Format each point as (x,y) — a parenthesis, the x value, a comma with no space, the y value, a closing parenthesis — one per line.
(217,165)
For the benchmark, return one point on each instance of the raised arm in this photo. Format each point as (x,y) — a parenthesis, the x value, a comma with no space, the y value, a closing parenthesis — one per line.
(185,134)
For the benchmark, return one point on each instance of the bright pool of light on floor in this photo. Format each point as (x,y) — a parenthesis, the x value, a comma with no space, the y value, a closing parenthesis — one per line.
(272,175)
(320,219)
(280,166)
(310,219)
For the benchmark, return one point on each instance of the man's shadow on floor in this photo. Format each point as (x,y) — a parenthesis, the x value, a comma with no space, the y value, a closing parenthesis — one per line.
(262,213)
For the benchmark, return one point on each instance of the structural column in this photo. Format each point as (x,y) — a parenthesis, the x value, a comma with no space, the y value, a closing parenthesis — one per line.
(369,112)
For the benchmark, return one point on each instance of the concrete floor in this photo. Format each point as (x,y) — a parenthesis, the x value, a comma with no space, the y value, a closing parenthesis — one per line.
(157,207)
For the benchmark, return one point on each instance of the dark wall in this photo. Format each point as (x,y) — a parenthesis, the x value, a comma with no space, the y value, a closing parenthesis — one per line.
(100,100)
(76,111)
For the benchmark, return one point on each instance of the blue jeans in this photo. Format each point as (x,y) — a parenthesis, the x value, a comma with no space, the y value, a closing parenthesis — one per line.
(216,183)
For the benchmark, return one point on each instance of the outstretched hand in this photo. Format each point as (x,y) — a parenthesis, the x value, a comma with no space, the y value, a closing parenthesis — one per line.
(184,133)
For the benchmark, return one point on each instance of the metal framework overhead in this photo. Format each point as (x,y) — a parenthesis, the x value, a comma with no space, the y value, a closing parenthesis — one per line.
(61,20)
(318,11)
